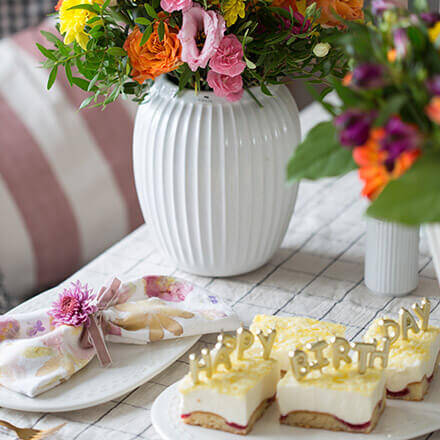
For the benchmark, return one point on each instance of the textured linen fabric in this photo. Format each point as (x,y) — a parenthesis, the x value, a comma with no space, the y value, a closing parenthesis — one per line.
(317,272)
(66,180)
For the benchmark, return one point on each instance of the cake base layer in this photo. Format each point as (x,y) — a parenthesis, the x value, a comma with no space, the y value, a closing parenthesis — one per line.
(317,420)
(415,391)
(214,421)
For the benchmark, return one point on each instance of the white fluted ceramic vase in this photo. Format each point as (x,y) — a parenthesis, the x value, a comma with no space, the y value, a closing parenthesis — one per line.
(211,176)
(391,258)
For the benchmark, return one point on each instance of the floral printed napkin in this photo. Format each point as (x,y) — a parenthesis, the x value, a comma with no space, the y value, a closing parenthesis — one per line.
(37,354)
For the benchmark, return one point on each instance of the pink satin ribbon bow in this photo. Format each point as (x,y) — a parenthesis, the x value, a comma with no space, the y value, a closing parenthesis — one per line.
(94,335)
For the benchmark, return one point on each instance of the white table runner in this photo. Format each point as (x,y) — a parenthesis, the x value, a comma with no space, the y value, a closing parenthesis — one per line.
(318,272)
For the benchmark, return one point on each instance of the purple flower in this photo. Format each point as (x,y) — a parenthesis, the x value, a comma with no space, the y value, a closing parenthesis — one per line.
(354,127)
(380,6)
(430,18)
(368,76)
(300,26)
(433,85)
(74,306)
(399,138)
(401,42)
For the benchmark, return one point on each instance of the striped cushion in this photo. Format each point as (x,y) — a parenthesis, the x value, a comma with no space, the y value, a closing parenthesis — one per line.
(66,179)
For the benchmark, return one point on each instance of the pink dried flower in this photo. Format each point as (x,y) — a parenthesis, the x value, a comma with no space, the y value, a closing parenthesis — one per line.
(175,5)
(74,306)
(225,86)
(228,60)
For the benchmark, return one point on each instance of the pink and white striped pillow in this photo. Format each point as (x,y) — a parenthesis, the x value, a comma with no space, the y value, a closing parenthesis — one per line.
(66,179)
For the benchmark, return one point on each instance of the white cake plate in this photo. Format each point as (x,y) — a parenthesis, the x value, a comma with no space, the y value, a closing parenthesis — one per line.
(133,365)
(398,422)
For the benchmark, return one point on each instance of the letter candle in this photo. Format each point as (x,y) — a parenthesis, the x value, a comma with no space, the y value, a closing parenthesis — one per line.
(407,322)
(423,313)
(222,351)
(197,364)
(245,339)
(318,349)
(266,341)
(340,348)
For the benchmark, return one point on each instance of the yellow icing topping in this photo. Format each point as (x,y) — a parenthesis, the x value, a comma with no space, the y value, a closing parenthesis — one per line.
(242,377)
(418,348)
(293,331)
(346,378)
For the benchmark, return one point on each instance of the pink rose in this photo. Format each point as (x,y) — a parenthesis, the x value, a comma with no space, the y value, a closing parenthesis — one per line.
(228,60)
(200,36)
(229,87)
(175,5)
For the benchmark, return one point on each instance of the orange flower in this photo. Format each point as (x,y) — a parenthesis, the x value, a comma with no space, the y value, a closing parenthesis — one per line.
(372,164)
(347,9)
(432,110)
(346,81)
(155,57)
(58,6)
(285,4)
(392,55)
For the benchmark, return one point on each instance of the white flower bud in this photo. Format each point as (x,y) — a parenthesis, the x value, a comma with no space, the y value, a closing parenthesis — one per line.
(321,49)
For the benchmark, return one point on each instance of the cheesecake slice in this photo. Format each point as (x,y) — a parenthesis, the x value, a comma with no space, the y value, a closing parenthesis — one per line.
(233,400)
(412,363)
(336,400)
(291,332)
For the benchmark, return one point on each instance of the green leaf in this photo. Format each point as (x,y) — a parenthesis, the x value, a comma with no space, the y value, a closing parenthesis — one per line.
(50,37)
(250,64)
(414,198)
(161,31)
(143,21)
(52,77)
(91,8)
(265,90)
(147,34)
(81,83)
(392,106)
(46,52)
(150,10)
(320,155)
(86,102)
(68,70)
(116,51)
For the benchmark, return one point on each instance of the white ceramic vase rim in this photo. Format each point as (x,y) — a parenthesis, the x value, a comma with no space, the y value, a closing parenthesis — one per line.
(165,87)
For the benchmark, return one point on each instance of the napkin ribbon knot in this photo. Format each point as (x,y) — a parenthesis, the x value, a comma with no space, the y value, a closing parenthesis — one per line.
(94,333)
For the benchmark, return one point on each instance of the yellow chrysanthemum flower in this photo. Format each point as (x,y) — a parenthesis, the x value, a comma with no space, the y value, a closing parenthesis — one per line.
(72,22)
(434,32)
(233,9)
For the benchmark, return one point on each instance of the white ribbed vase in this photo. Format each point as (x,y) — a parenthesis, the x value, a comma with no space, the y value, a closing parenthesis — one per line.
(391,258)
(211,176)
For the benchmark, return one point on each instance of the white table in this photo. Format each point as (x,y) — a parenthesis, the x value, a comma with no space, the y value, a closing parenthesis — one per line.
(318,272)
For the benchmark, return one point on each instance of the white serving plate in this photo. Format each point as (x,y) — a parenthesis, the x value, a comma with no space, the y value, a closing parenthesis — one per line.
(133,365)
(400,421)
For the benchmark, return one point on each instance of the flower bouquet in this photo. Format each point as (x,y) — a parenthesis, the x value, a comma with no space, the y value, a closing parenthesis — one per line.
(387,123)
(217,124)
(117,48)
(387,126)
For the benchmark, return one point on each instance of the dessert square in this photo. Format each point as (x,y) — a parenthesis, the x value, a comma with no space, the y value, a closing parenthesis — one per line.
(336,400)
(292,332)
(412,363)
(231,400)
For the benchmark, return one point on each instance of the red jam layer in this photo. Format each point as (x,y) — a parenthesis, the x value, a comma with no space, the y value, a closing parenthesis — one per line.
(360,426)
(405,391)
(353,426)
(231,424)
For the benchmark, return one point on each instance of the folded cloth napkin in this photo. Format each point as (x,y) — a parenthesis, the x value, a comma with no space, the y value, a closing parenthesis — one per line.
(42,349)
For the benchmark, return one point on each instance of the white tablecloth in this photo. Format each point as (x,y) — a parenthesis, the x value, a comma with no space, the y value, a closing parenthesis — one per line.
(317,272)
